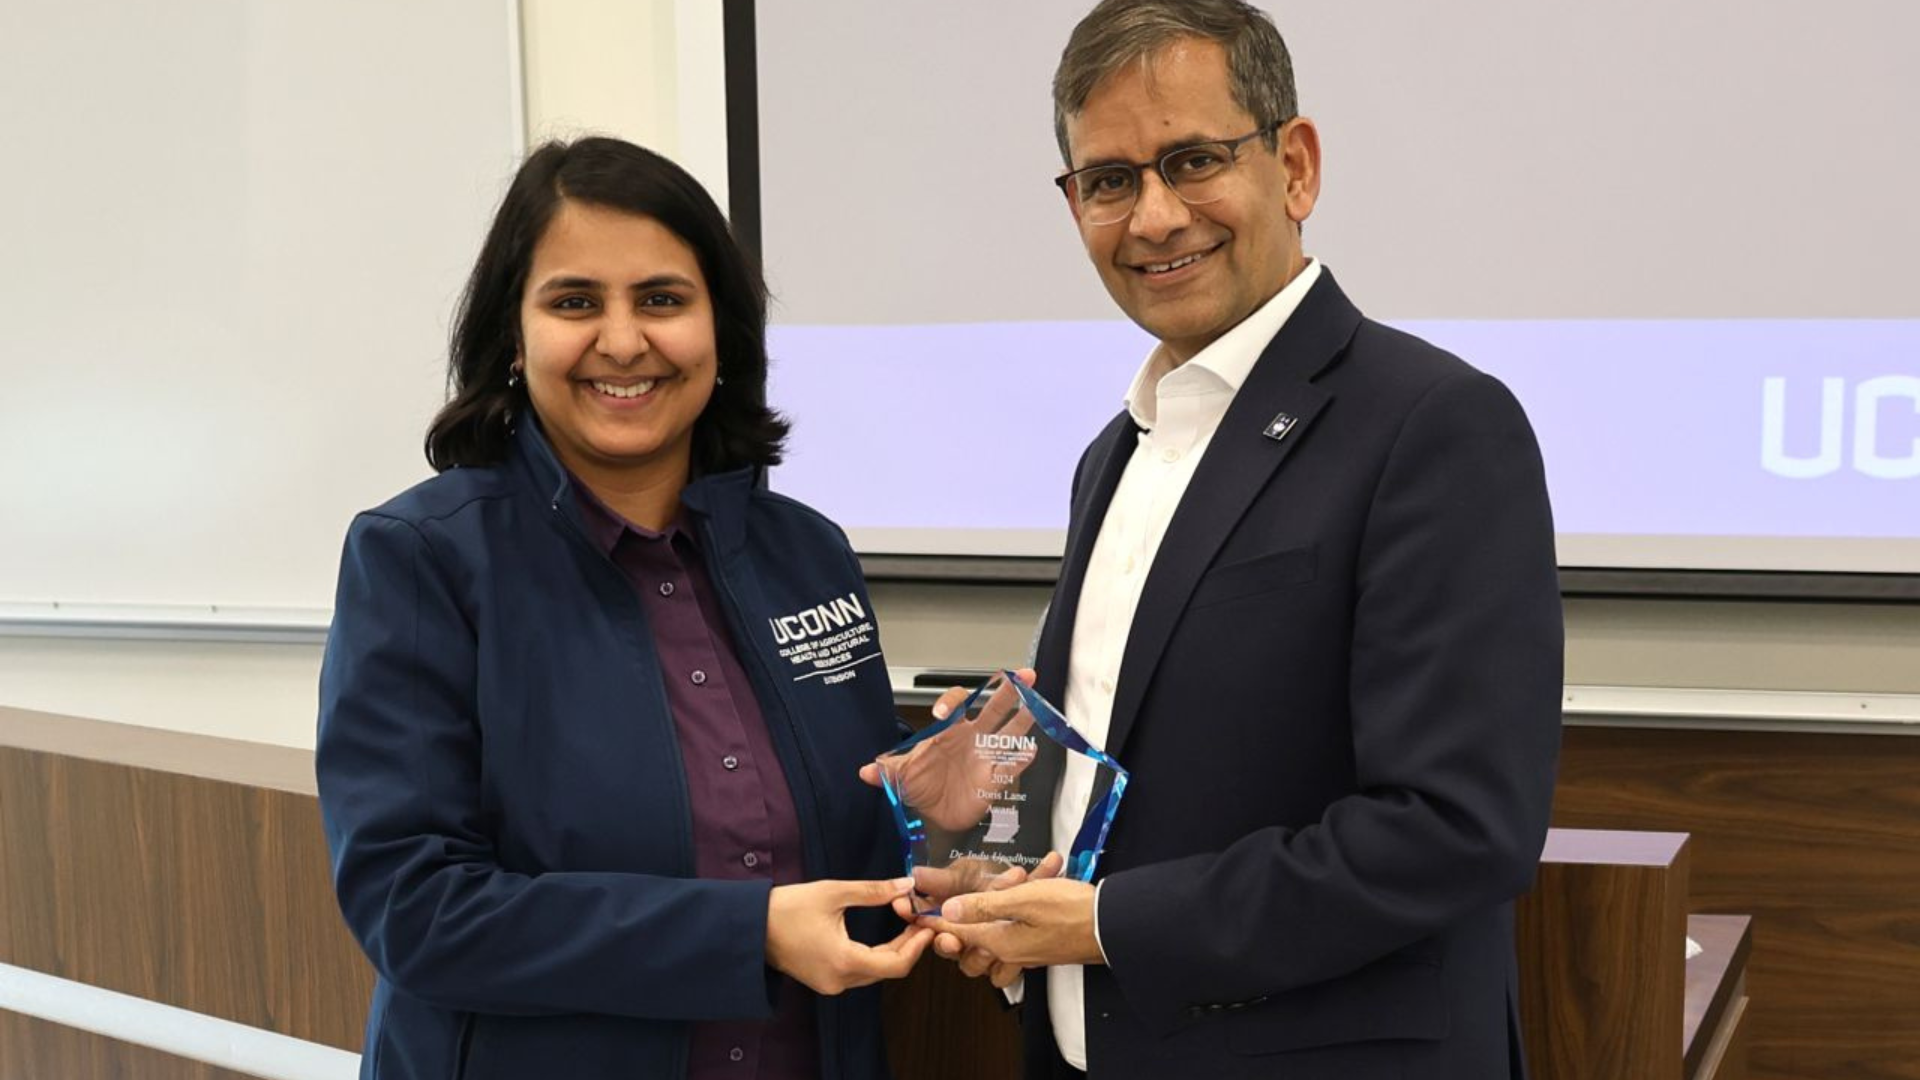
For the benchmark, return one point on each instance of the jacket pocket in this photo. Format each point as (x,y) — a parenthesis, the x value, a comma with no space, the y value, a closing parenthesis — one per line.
(1256,576)
(1390,1000)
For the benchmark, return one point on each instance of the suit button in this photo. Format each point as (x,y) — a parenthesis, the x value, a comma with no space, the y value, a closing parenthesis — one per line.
(729,763)
(750,859)
(699,678)
(736,1054)
(666,588)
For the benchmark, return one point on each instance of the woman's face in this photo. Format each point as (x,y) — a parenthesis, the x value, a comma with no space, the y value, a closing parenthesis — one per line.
(617,345)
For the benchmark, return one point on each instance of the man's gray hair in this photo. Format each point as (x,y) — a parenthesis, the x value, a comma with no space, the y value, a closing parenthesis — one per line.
(1121,32)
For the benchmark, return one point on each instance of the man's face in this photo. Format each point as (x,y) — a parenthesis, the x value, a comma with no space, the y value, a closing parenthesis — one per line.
(1247,243)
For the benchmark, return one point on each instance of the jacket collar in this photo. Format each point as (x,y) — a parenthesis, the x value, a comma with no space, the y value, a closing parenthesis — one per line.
(717,501)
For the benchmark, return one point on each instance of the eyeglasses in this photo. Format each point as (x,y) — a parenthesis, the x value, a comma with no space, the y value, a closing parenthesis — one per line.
(1105,194)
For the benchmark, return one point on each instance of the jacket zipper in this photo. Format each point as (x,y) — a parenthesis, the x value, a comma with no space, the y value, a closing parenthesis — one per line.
(833,1055)
(685,1042)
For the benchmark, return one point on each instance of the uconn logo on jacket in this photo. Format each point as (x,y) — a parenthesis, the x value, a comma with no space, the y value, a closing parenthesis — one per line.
(826,641)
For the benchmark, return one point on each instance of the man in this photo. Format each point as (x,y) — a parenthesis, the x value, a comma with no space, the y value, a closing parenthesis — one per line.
(1309,600)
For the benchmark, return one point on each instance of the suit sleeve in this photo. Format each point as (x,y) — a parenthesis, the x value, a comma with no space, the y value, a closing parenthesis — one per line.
(1454,695)
(399,760)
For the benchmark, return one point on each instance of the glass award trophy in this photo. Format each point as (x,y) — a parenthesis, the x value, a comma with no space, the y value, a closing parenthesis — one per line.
(973,795)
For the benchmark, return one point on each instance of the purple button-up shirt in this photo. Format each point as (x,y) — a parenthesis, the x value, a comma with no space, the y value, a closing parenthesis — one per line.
(744,823)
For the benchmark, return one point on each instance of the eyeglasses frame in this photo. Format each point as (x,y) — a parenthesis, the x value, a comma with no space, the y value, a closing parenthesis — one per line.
(1159,166)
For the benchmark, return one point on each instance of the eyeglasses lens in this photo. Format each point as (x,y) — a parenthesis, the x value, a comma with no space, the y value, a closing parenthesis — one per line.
(1107,195)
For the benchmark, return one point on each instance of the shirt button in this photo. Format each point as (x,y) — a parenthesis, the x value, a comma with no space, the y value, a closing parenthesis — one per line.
(1169,455)
(730,762)
(699,678)
(1127,566)
(750,859)
(666,588)
(1106,686)
(736,1054)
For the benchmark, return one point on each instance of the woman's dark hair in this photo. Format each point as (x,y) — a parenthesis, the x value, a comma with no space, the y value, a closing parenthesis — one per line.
(736,429)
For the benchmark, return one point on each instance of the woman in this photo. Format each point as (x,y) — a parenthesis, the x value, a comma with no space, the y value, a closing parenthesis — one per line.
(594,701)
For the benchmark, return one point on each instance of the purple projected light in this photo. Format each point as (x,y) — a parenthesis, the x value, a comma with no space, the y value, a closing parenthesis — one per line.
(1781,428)
(903,427)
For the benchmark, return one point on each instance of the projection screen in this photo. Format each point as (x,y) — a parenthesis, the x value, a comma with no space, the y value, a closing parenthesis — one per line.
(1682,234)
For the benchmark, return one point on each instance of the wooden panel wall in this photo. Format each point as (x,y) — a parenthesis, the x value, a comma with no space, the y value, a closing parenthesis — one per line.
(31,1049)
(1818,838)
(202,894)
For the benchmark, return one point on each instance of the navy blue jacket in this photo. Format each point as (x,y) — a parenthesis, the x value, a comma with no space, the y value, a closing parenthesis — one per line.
(502,790)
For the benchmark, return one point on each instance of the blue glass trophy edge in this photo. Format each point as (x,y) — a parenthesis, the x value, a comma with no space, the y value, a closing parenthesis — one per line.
(913,830)
(1091,840)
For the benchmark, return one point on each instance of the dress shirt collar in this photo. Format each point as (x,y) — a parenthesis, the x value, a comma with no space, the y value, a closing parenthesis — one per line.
(1228,360)
(604,526)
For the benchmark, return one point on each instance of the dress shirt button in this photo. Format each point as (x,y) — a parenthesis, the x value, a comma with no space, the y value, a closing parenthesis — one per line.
(666,588)
(1126,566)
(736,1054)
(699,678)
(1169,455)
(1106,686)
(730,762)
(750,859)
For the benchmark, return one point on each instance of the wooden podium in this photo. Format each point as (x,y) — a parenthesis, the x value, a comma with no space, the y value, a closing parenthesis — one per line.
(1606,990)
(192,871)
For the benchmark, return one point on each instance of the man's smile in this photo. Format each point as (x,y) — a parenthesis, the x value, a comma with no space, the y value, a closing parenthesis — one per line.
(1165,269)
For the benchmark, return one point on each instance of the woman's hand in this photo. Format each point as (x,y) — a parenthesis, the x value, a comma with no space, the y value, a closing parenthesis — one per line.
(807,935)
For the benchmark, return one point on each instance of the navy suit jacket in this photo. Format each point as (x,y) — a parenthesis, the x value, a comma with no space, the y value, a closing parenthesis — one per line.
(1340,704)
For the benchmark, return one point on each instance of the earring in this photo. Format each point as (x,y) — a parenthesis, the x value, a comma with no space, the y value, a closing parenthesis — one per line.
(513,376)
(719,380)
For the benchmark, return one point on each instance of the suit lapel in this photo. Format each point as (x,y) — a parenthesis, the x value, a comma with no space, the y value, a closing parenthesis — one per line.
(1269,417)
(1106,461)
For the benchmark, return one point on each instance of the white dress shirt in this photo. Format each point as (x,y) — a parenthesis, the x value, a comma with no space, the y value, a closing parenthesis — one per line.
(1178,409)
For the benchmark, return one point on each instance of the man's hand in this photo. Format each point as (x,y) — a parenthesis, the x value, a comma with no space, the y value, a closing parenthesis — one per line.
(944,778)
(807,935)
(975,962)
(942,708)
(1034,924)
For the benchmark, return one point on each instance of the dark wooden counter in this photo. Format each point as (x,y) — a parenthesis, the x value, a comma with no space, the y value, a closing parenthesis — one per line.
(1714,1029)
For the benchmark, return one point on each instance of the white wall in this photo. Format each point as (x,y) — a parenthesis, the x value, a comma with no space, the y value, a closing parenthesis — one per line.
(649,71)
(261,692)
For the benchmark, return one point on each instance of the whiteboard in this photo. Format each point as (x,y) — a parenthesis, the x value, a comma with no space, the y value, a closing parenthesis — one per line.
(234,234)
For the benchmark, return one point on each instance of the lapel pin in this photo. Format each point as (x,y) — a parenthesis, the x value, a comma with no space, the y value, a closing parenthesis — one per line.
(1281,424)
